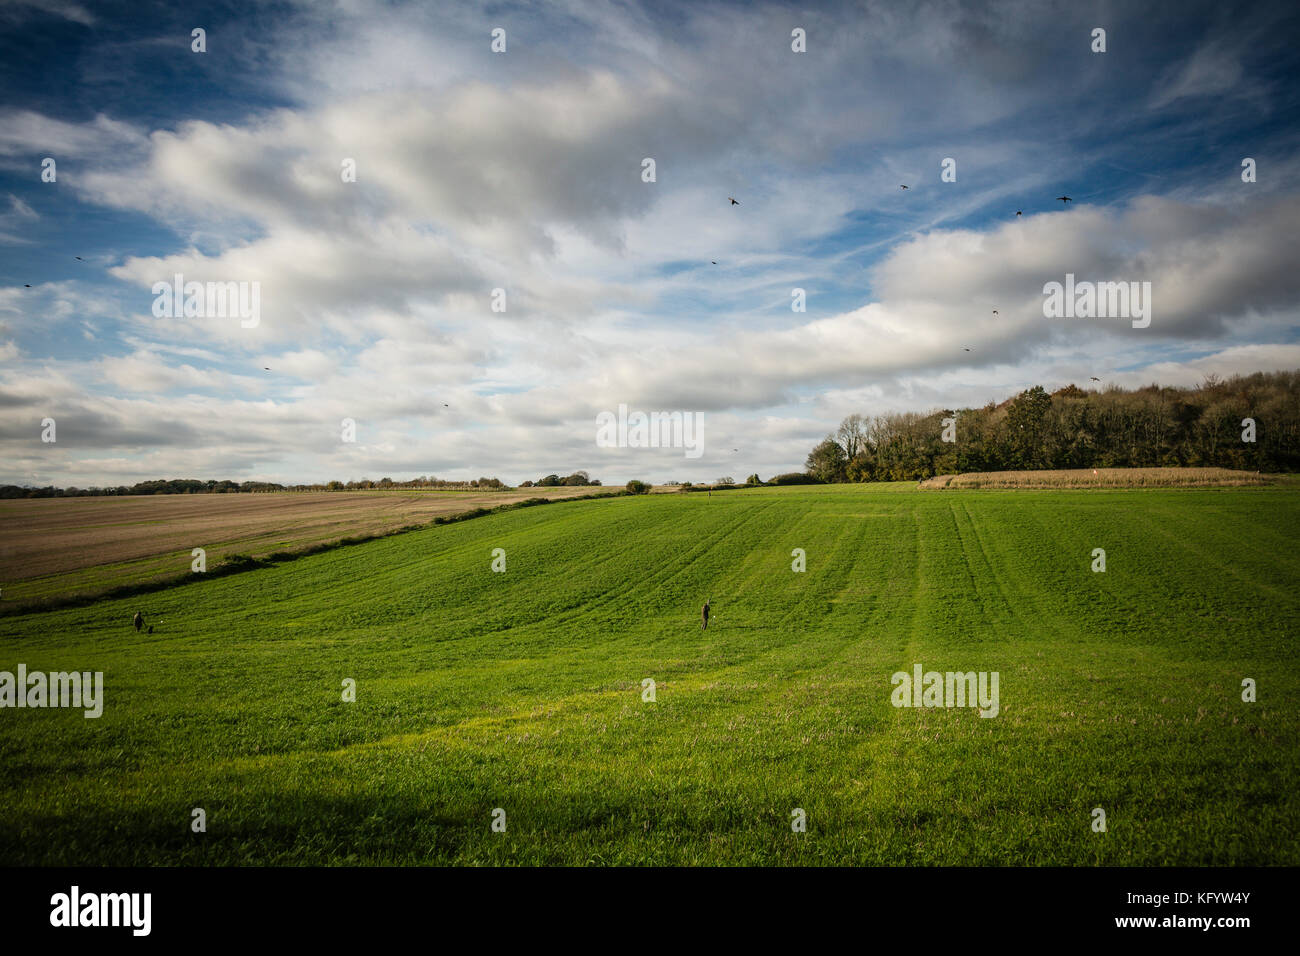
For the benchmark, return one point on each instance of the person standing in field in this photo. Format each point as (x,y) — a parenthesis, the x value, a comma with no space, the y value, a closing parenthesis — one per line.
(138,621)
(705,613)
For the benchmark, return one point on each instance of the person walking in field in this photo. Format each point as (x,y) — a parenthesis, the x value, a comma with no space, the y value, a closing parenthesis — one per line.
(705,613)
(138,621)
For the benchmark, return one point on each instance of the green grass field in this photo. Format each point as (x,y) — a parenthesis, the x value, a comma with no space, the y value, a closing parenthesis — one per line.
(522,690)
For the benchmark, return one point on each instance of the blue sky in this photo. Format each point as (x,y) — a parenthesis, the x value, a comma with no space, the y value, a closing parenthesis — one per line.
(522,170)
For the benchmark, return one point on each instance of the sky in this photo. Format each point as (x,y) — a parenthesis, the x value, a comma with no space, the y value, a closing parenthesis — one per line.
(523,171)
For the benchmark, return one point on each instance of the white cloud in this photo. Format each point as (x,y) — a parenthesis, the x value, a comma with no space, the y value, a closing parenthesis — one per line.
(28,133)
(21,9)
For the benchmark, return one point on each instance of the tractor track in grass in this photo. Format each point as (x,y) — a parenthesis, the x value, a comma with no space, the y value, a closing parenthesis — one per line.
(1009,575)
(667,569)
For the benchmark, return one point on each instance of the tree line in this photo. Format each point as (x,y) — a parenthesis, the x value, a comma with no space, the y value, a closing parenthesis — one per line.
(195,486)
(579,478)
(1249,422)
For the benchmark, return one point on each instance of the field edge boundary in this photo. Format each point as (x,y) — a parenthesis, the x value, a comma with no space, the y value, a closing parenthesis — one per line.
(240,563)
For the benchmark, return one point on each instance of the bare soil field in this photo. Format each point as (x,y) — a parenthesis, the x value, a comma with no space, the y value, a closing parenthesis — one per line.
(1101,478)
(58,547)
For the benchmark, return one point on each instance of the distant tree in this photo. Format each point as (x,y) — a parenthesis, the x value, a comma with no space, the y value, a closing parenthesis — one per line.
(1025,420)
(635,487)
(827,462)
(852,436)
(862,467)
(793,478)
(753,480)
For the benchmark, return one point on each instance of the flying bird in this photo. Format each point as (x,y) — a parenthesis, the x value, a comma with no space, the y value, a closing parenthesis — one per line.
(1017,212)
(79,259)
(733,202)
(901,186)
(1095,379)
(1063,198)
(714,261)
(995,311)
(26,287)
(265,369)
(964,349)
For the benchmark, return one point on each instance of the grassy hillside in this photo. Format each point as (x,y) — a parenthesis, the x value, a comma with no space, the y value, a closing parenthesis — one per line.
(522,690)
(56,548)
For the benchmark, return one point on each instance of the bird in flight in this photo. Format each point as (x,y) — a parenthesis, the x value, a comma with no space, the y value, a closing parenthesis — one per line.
(1063,198)
(995,311)
(1017,212)
(26,287)
(714,261)
(733,202)
(1095,379)
(265,369)
(79,259)
(964,349)
(445,405)
(901,186)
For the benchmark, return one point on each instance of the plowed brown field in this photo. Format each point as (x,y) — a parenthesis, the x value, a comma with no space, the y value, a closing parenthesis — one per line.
(57,547)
